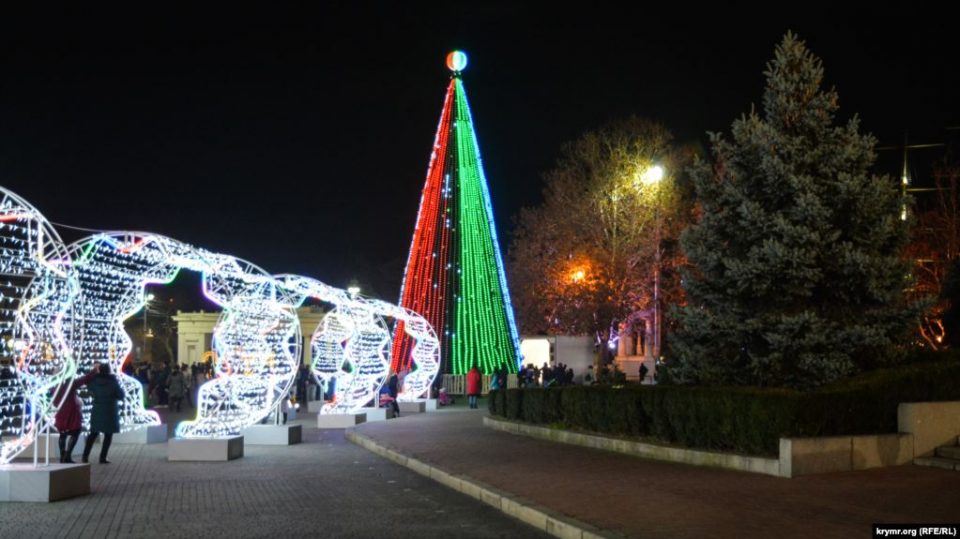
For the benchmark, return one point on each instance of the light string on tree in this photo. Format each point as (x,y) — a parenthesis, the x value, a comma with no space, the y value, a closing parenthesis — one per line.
(454,274)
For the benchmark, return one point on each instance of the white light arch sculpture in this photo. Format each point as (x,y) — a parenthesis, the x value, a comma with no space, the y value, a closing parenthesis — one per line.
(352,343)
(425,354)
(36,293)
(257,338)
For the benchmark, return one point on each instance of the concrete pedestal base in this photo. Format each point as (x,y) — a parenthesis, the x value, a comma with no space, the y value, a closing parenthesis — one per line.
(375,414)
(27,453)
(147,434)
(273,434)
(340,421)
(205,449)
(291,415)
(24,483)
(415,407)
(315,406)
(431,405)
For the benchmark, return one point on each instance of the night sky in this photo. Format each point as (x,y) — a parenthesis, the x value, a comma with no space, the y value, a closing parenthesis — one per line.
(299,139)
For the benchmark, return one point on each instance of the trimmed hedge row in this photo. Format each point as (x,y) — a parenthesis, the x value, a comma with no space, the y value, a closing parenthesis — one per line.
(741,419)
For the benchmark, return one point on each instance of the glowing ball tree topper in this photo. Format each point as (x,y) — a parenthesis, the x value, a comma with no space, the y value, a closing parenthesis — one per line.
(457,61)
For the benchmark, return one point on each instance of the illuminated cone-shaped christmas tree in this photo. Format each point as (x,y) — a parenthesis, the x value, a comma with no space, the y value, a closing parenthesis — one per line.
(454,275)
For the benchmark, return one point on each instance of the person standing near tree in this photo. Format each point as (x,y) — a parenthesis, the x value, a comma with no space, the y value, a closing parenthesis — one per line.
(105,414)
(473,386)
(393,389)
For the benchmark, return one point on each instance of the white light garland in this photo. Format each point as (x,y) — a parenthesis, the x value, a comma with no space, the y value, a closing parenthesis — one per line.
(257,338)
(36,292)
(351,346)
(62,310)
(425,354)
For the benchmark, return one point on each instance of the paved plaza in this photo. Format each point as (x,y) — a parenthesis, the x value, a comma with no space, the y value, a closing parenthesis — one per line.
(328,487)
(652,499)
(324,487)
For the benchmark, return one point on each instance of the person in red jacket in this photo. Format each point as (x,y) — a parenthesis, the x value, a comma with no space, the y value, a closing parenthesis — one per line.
(473,386)
(69,418)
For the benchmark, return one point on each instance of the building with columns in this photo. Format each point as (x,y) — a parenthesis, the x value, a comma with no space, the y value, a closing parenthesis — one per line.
(195,333)
(635,347)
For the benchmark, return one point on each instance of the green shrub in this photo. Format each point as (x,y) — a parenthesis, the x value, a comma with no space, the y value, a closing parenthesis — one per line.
(533,405)
(513,405)
(742,419)
(496,402)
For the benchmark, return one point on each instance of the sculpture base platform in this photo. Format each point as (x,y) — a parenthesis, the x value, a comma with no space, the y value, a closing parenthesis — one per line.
(147,434)
(414,407)
(21,482)
(340,421)
(374,414)
(418,406)
(205,449)
(273,434)
(314,406)
(291,414)
(27,453)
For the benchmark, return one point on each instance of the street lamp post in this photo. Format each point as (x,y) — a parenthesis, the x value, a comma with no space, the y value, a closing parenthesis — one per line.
(652,176)
(146,307)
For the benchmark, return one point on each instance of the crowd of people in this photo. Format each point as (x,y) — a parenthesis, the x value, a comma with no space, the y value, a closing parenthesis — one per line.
(546,376)
(167,386)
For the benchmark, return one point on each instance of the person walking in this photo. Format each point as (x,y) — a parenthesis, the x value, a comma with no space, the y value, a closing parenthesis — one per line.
(473,386)
(69,417)
(105,415)
(393,389)
(176,387)
(187,385)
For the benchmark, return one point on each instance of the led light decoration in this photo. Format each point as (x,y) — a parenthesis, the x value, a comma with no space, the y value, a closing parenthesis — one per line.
(424,359)
(454,275)
(351,346)
(257,337)
(457,61)
(36,292)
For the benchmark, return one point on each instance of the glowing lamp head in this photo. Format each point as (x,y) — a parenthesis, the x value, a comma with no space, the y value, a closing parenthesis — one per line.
(457,61)
(652,175)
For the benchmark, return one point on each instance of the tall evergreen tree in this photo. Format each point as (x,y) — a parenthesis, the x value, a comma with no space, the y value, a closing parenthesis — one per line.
(796,276)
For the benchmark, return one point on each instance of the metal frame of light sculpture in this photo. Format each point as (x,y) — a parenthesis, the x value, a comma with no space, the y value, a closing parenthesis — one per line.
(351,344)
(36,293)
(424,356)
(256,337)
(348,341)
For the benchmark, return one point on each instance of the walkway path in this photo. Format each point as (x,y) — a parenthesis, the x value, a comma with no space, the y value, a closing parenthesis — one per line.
(325,487)
(652,499)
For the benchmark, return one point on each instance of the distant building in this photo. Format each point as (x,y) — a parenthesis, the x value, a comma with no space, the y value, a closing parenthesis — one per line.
(195,333)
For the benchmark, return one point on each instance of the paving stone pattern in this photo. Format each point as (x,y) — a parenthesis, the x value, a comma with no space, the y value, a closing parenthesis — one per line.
(653,499)
(324,487)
